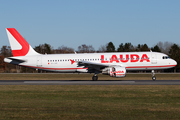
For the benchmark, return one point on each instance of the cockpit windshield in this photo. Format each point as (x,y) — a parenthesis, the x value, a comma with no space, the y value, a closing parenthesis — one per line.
(166,57)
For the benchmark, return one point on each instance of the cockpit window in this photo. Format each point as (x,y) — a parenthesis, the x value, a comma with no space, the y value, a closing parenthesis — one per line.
(165,57)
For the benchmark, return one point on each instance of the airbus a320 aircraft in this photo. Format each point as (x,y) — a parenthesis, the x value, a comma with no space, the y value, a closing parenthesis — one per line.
(114,64)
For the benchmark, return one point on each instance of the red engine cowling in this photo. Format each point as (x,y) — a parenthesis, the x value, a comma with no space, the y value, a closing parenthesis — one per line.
(117,71)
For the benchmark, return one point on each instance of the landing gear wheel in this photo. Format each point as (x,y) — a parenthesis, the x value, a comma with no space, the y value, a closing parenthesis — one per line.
(153,75)
(153,78)
(95,78)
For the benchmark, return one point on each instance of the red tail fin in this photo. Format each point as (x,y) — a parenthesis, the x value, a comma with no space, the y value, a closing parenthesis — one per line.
(19,45)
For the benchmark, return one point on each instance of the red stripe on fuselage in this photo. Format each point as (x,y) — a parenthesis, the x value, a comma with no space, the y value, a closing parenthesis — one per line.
(87,68)
(54,68)
(151,66)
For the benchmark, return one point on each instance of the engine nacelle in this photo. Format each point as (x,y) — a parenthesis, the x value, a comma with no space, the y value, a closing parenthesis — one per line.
(117,71)
(82,70)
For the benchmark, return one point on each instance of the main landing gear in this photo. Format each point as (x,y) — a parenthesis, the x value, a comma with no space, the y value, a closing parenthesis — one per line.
(95,77)
(153,75)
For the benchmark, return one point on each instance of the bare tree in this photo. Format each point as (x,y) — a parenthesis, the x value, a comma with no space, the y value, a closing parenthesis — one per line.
(63,49)
(164,47)
(86,49)
(6,51)
(43,48)
(102,49)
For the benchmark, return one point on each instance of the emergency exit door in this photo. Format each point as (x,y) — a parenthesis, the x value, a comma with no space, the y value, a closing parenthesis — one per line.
(153,59)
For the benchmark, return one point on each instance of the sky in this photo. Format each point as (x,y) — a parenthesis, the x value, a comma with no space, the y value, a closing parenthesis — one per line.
(72,23)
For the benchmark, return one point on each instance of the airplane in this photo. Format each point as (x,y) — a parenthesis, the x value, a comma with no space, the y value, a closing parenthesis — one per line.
(114,64)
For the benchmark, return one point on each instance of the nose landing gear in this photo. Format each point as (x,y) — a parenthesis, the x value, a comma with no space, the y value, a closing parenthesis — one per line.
(153,75)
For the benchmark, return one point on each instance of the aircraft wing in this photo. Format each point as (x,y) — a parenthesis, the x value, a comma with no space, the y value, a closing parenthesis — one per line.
(92,65)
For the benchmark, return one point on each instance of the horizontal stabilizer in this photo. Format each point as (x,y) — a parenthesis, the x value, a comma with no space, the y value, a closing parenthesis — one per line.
(14,60)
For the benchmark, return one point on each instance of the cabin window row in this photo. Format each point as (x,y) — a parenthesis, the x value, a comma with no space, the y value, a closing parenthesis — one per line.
(73,60)
(94,59)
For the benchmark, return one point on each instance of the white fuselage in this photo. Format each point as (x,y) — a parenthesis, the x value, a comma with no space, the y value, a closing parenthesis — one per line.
(70,62)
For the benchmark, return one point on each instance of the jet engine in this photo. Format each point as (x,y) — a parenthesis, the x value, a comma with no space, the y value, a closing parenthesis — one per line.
(82,70)
(116,71)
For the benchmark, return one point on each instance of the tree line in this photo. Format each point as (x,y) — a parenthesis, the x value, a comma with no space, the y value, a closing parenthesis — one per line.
(171,49)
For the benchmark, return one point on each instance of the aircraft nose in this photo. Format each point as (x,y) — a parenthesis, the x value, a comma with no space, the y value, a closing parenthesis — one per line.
(174,62)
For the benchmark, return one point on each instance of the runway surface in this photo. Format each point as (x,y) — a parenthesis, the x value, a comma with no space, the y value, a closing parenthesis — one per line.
(86,82)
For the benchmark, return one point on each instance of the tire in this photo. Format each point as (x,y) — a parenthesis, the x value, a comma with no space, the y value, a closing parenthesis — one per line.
(95,78)
(153,78)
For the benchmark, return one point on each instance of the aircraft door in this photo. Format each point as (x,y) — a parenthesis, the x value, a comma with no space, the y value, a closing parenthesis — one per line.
(39,61)
(153,59)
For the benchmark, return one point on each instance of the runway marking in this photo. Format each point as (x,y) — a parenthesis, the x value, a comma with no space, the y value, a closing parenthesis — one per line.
(79,82)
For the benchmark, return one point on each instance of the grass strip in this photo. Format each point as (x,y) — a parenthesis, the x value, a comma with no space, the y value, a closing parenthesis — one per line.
(76,102)
(56,76)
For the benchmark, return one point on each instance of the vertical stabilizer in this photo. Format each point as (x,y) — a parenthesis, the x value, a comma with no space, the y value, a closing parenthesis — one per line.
(19,46)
